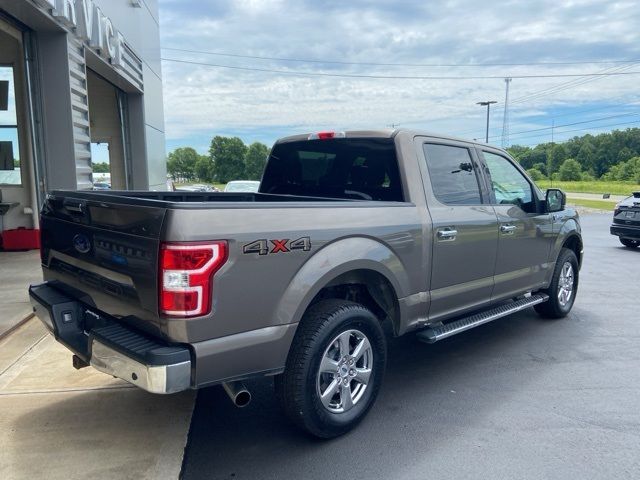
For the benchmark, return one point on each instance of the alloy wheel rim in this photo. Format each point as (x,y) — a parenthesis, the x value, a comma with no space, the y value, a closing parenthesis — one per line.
(345,371)
(565,284)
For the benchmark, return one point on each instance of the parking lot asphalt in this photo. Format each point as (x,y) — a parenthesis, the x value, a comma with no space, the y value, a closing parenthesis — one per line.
(521,397)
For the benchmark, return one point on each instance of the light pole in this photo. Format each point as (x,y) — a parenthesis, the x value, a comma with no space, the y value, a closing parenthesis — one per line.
(488,105)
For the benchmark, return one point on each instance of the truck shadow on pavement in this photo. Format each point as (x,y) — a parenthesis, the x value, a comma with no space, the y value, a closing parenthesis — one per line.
(430,395)
(113,433)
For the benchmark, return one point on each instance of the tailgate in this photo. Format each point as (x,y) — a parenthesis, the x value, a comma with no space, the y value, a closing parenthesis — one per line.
(106,248)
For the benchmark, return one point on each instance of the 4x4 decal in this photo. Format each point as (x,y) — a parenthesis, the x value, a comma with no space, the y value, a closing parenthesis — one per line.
(264,247)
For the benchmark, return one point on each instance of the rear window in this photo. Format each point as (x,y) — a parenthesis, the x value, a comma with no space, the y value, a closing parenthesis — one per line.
(347,168)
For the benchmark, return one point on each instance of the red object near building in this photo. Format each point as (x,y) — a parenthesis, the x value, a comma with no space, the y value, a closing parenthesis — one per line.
(21,239)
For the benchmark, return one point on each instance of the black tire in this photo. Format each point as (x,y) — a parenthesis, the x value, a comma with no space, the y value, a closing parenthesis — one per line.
(298,388)
(554,308)
(629,243)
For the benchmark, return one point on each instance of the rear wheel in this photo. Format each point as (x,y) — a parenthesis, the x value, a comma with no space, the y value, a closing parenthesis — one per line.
(334,369)
(563,288)
(629,243)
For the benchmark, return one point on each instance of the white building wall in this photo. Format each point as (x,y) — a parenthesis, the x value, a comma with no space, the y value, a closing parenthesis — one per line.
(65,137)
(141,28)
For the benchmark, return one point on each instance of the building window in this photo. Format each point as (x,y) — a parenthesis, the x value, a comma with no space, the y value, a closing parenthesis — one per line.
(9,148)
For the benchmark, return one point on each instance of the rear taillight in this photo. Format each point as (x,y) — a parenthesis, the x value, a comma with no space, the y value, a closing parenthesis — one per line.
(186,277)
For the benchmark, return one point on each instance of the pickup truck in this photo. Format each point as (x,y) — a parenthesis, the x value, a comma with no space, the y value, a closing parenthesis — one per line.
(351,237)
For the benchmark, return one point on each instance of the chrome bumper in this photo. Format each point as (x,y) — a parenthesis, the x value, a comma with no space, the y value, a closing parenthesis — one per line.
(109,346)
(152,378)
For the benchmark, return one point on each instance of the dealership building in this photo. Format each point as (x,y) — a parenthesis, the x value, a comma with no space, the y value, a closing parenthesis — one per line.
(76,77)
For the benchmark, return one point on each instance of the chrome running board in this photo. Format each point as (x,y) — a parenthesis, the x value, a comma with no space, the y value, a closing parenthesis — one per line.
(433,334)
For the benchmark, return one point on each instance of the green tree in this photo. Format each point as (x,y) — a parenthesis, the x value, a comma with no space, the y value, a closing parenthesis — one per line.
(204,169)
(596,154)
(181,163)
(570,170)
(556,157)
(624,154)
(628,171)
(531,157)
(535,174)
(587,177)
(586,155)
(227,155)
(606,154)
(517,150)
(542,167)
(101,167)
(631,169)
(255,160)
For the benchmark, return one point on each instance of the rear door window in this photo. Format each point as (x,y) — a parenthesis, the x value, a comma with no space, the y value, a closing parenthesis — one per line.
(453,174)
(345,168)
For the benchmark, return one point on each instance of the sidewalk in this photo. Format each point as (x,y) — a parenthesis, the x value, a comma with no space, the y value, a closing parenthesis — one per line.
(17,271)
(61,423)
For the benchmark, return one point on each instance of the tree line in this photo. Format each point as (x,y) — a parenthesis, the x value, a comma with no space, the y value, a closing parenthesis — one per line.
(228,159)
(607,156)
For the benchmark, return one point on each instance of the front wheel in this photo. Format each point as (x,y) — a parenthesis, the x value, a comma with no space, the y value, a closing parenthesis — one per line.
(334,369)
(563,288)
(629,243)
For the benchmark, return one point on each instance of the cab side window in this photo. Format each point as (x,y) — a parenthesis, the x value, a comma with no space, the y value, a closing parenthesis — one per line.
(509,185)
(452,174)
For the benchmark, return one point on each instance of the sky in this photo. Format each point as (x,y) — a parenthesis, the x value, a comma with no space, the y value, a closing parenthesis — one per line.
(412,38)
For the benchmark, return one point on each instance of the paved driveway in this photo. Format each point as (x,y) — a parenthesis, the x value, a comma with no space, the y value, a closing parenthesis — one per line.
(518,398)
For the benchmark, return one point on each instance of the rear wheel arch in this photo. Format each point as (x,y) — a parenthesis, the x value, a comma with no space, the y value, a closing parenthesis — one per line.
(369,288)
(349,261)
(574,243)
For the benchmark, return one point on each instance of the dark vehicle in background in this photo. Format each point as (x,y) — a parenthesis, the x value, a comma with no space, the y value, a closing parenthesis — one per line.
(626,221)
(349,231)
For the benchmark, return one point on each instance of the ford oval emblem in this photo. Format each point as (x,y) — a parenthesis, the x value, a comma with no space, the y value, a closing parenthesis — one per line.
(81,243)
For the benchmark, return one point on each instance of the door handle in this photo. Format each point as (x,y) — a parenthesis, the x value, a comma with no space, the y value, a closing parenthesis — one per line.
(447,234)
(507,229)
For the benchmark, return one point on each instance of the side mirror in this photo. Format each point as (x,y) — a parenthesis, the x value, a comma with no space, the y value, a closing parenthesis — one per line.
(556,200)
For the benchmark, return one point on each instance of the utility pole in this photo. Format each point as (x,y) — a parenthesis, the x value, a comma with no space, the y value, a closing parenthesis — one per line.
(550,161)
(505,117)
(488,105)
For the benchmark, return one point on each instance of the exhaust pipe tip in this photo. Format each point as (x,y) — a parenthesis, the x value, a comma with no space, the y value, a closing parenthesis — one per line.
(242,399)
(238,393)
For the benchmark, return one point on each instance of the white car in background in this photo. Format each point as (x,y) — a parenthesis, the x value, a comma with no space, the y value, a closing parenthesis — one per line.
(242,186)
(198,187)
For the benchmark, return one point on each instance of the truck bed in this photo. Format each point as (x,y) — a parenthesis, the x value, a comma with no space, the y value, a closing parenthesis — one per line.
(194,199)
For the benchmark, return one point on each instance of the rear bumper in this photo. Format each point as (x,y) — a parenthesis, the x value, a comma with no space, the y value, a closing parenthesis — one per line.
(109,346)
(625,231)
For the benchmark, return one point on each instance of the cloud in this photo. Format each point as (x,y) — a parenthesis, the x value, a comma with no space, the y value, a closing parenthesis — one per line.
(201,101)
